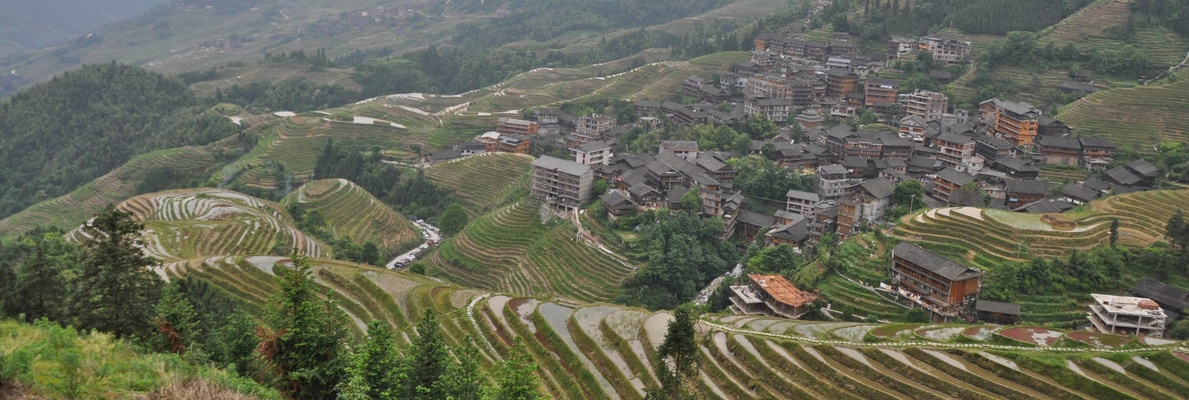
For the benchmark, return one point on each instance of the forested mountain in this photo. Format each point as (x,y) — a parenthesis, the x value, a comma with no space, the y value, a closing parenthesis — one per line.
(61,134)
(31,25)
(978,17)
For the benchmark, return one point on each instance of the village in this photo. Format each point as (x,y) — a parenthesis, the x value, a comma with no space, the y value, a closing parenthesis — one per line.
(989,157)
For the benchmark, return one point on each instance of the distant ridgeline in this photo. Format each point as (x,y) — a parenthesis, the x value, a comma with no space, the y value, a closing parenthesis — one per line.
(59,135)
(31,25)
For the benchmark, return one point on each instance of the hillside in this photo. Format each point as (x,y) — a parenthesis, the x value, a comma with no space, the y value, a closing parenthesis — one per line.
(993,236)
(1140,117)
(484,182)
(26,26)
(350,211)
(57,136)
(608,351)
(183,164)
(47,361)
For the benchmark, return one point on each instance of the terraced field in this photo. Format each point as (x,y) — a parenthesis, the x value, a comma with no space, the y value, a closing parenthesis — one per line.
(484,182)
(351,212)
(510,250)
(1142,116)
(196,223)
(296,141)
(601,351)
(989,237)
(1086,28)
(69,211)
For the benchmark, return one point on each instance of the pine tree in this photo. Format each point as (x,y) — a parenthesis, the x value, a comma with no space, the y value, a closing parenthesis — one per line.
(677,362)
(118,289)
(516,378)
(1176,231)
(304,337)
(453,220)
(375,368)
(462,380)
(427,360)
(40,286)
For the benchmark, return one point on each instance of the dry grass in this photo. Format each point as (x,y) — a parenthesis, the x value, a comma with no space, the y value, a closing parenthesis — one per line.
(196,389)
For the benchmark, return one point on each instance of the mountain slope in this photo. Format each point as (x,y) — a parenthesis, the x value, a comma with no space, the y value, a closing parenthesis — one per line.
(350,211)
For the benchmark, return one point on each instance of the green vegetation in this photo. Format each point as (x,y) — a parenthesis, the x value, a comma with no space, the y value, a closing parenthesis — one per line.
(483,183)
(1139,118)
(684,254)
(336,209)
(113,112)
(511,250)
(999,17)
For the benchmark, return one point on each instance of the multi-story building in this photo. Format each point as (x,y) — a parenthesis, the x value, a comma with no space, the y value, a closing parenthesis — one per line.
(945,287)
(1127,315)
(950,51)
(900,46)
(1060,150)
(804,203)
(864,202)
(1097,153)
(840,82)
(565,185)
(930,106)
(686,149)
(954,149)
(1018,123)
(593,127)
(513,143)
(949,180)
(770,295)
(767,85)
(592,153)
(775,109)
(831,181)
(507,125)
(1019,193)
(880,92)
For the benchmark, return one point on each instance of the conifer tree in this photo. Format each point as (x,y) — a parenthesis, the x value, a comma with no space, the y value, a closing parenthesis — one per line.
(516,378)
(40,286)
(118,289)
(375,369)
(677,361)
(427,360)
(303,340)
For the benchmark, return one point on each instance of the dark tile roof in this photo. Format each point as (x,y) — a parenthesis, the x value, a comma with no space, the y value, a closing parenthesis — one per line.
(1047,206)
(958,177)
(565,166)
(997,307)
(1143,168)
(931,261)
(1080,193)
(756,219)
(799,195)
(1167,295)
(445,155)
(1028,187)
(1057,142)
(680,145)
(615,199)
(1097,142)
(1123,176)
(880,188)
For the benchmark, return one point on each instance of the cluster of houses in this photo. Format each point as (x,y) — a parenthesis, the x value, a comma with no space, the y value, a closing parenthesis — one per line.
(991,157)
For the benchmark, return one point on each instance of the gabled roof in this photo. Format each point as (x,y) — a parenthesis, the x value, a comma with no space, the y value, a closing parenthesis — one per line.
(1028,187)
(1167,295)
(596,145)
(615,199)
(641,190)
(1047,206)
(1123,176)
(958,177)
(756,219)
(1143,168)
(926,259)
(679,145)
(565,166)
(1080,193)
(799,195)
(1015,164)
(880,188)
(832,169)
(997,307)
(1097,142)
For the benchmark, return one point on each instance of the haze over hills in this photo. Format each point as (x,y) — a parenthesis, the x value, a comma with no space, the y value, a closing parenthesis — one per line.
(32,25)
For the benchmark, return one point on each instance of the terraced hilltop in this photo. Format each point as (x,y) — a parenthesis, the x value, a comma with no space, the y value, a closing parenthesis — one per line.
(485,181)
(601,351)
(193,223)
(992,236)
(510,250)
(350,211)
(1141,116)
